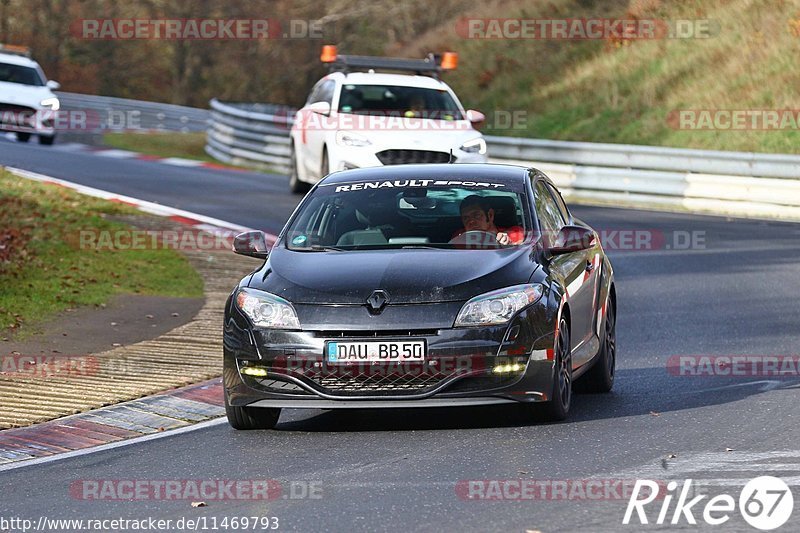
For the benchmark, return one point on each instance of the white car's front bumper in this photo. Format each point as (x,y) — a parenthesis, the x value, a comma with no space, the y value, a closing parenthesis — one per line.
(21,119)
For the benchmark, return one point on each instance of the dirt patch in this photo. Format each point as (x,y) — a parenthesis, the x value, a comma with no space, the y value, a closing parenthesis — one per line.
(125,320)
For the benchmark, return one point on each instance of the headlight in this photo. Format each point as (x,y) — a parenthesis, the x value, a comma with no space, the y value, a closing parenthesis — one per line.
(348,138)
(267,310)
(497,307)
(52,103)
(475,146)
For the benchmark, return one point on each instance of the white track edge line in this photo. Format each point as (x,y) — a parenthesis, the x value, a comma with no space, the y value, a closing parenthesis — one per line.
(148,207)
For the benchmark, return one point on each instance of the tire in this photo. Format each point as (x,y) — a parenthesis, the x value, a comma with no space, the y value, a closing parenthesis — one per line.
(557,407)
(600,378)
(246,418)
(47,140)
(23,137)
(296,186)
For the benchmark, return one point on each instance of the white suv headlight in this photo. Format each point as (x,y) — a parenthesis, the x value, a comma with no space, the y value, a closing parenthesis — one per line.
(348,138)
(52,103)
(267,310)
(498,307)
(475,146)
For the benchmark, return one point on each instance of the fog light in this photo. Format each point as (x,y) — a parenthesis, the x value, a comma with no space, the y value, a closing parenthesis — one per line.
(508,368)
(255,371)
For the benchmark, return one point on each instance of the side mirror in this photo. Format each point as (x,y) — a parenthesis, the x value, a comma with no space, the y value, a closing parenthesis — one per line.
(322,108)
(573,239)
(251,243)
(476,117)
(54,85)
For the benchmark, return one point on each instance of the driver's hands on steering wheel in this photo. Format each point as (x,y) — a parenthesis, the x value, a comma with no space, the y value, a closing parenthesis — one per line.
(503,238)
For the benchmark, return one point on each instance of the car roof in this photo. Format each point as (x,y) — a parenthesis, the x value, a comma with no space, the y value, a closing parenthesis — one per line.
(462,171)
(380,78)
(15,59)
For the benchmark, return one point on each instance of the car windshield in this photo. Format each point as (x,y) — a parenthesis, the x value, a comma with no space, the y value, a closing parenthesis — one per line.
(408,102)
(19,74)
(416,213)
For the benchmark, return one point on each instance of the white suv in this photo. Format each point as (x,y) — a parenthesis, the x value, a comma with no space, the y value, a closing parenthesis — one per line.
(27,103)
(366,119)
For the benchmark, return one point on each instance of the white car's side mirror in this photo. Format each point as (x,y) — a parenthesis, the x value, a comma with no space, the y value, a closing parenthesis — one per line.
(323,108)
(53,85)
(475,117)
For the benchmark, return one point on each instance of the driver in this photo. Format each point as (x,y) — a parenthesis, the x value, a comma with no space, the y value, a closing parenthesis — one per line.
(477,215)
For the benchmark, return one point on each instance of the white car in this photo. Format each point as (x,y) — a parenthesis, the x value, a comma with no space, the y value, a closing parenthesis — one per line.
(368,119)
(28,105)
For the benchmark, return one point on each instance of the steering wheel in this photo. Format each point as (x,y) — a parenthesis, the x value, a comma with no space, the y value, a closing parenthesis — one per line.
(476,239)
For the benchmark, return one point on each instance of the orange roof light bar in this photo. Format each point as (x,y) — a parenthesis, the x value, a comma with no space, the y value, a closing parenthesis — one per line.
(449,61)
(328,54)
(15,49)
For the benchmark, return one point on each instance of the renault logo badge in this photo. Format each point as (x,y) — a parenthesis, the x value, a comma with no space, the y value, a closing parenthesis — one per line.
(377,302)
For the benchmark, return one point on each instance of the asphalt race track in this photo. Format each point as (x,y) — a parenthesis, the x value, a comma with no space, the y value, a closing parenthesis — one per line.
(734,294)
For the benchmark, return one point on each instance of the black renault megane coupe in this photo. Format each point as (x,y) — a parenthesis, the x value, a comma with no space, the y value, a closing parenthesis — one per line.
(421,286)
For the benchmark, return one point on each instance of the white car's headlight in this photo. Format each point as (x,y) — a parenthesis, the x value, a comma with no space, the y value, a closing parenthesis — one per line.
(498,307)
(475,146)
(348,138)
(52,103)
(267,310)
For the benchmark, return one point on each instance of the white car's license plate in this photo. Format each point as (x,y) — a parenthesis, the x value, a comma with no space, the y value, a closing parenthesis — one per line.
(375,351)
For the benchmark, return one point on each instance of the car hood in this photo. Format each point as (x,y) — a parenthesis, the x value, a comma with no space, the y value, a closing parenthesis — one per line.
(27,95)
(407,276)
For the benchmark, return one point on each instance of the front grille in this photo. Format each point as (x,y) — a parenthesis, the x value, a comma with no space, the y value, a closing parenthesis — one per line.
(13,108)
(17,115)
(365,383)
(406,157)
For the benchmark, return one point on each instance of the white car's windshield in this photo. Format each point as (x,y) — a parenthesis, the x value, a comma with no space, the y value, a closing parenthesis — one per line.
(408,102)
(409,214)
(19,74)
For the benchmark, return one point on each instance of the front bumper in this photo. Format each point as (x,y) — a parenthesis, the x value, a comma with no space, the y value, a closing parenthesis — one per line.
(459,369)
(21,119)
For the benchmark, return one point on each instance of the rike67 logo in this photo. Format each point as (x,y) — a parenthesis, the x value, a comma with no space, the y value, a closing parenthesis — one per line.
(766,503)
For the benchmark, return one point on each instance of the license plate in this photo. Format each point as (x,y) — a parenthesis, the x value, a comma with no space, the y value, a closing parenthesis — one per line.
(375,351)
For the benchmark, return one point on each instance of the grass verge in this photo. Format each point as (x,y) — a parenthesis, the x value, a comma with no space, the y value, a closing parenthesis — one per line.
(171,144)
(43,269)
(632,91)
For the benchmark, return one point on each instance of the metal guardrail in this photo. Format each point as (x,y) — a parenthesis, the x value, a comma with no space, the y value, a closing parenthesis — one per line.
(120,114)
(252,135)
(735,183)
(646,157)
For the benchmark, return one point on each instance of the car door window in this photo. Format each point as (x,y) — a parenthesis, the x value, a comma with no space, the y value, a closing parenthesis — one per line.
(550,219)
(326,92)
(314,95)
(562,207)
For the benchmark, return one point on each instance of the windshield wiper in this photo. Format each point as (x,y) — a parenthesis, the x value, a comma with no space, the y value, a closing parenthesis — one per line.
(321,248)
(421,247)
